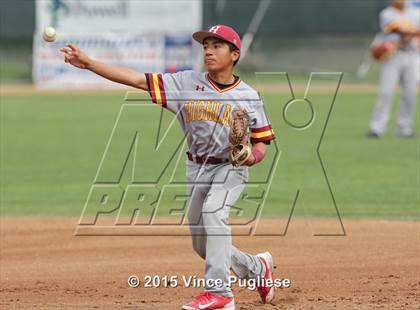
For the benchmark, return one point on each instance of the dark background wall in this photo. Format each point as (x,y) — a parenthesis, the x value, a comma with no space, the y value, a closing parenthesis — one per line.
(299,17)
(17,19)
(284,17)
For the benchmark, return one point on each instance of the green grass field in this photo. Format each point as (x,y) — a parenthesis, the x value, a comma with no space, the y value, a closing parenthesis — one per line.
(51,146)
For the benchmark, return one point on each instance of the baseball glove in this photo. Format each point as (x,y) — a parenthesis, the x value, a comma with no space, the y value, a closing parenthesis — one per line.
(239,138)
(381,52)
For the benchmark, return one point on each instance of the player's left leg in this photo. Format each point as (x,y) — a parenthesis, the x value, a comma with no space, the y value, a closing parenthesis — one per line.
(246,266)
(408,99)
(260,267)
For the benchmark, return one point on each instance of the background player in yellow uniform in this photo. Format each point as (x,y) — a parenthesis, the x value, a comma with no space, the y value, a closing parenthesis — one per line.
(401,26)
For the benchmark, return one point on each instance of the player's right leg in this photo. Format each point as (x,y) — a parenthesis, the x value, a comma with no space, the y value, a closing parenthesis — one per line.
(227,186)
(388,80)
(203,199)
(211,301)
(197,192)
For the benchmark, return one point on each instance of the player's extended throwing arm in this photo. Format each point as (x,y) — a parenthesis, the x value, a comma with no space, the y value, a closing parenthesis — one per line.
(79,59)
(241,154)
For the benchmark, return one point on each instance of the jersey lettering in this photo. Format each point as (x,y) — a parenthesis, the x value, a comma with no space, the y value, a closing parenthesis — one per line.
(205,116)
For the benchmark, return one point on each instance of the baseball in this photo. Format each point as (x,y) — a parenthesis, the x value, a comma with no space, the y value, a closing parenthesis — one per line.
(49,34)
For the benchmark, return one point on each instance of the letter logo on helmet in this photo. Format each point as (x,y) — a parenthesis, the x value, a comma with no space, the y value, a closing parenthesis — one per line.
(214,29)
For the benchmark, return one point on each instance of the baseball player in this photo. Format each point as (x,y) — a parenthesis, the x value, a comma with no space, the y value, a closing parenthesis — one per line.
(399,26)
(204,105)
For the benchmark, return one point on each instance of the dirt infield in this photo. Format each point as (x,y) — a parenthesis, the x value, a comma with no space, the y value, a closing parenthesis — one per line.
(43,265)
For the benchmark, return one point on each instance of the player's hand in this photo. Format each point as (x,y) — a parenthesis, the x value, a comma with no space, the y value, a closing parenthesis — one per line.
(75,56)
(250,161)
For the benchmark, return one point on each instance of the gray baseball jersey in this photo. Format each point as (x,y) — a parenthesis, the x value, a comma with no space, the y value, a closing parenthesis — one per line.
(391,19)
(204,110)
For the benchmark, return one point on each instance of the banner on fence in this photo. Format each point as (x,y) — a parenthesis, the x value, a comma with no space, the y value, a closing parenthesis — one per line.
(147,36)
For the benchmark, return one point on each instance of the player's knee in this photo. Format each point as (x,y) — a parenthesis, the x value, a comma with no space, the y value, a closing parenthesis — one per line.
(215,218)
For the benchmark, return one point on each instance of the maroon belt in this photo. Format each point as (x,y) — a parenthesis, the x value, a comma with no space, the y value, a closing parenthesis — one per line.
(206,159)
